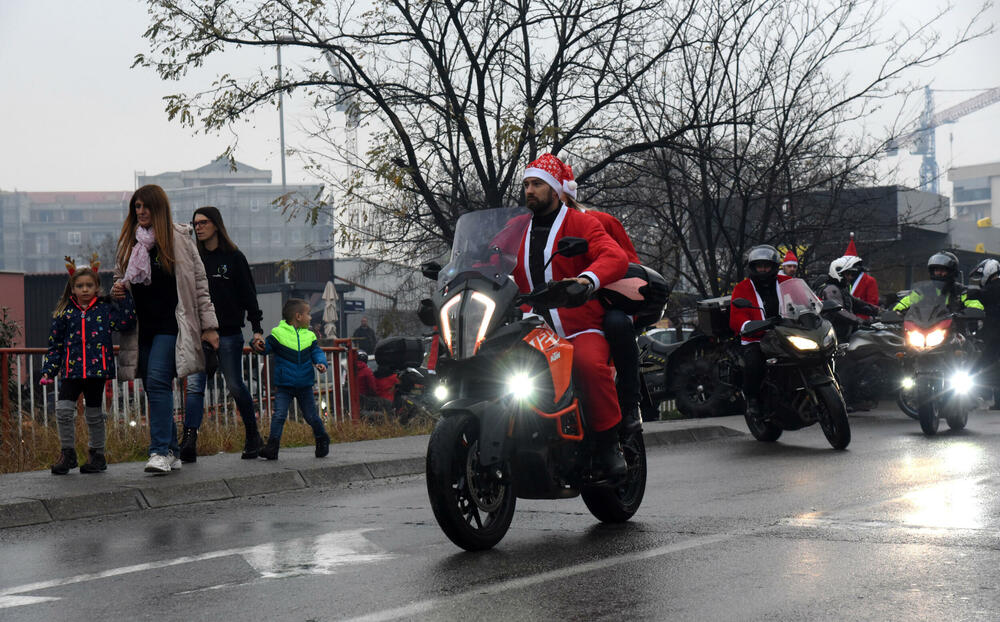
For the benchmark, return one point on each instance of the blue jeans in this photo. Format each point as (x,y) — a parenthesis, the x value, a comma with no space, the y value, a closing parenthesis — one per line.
(230,353)
(307,403)
(158,368)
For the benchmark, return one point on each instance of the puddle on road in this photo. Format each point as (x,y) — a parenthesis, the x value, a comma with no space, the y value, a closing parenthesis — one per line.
(317,555)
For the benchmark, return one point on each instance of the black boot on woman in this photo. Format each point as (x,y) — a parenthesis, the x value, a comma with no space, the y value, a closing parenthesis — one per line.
(96,462)
(66,461)
(270,450)
(253,445)
(189,445)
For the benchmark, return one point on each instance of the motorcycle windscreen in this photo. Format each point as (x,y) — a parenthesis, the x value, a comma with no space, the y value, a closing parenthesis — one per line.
(797,300)
(928,304)
(486,244)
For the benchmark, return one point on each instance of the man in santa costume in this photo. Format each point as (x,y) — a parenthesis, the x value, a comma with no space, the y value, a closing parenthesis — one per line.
(863,285)
(761,289)
(604,262)
(791,265)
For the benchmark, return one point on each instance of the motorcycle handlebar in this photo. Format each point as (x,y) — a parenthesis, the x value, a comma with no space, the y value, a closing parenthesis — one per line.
(555,295)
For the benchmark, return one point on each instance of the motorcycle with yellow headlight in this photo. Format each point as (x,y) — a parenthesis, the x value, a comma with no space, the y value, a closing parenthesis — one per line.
(940,358)
(800,387)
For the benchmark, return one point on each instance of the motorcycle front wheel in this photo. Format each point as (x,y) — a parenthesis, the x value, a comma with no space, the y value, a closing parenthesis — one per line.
(958,419)
(763,431)
(930,419)
(833,416)
(472,507)
(618,504)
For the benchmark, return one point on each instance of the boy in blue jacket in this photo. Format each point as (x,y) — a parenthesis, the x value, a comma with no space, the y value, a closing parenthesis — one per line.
(296,351)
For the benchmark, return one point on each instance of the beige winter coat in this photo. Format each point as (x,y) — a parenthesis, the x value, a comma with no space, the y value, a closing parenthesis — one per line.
(195,312)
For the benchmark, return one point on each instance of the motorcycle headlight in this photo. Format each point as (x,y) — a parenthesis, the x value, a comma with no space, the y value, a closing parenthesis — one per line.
(466,322)
(521,386)
(915,338)
(961,382)
(449,322)
(908,383)
(801,343)
(935,337)
(441,393)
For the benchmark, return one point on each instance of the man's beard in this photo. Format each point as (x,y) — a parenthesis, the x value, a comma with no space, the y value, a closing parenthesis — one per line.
(538,204)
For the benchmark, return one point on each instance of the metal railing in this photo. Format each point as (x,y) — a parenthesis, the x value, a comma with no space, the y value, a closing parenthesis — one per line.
(26,404)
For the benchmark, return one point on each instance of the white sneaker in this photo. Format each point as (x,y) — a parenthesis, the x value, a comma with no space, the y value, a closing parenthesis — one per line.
(158,464)
(175,462)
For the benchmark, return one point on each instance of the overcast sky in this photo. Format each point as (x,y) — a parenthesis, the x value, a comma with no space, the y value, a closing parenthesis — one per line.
(74,116)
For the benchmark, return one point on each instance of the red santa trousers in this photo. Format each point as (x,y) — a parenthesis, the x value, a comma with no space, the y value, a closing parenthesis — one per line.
(594,381)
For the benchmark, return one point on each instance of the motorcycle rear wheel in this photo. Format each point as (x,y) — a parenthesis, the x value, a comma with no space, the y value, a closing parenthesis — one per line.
(833,416)
(618,504)
(472,508)
(930,419)
(904,399)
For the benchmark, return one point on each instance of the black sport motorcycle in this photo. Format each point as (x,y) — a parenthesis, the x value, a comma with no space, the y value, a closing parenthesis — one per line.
(940,359)
(871,366)
(800,387)
(511,423)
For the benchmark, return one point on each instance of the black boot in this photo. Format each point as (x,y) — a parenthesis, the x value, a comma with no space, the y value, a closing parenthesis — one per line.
(322,446)
(608,462)
(96,463)
(189,445)
(270,450)
(66,461)
(253,446)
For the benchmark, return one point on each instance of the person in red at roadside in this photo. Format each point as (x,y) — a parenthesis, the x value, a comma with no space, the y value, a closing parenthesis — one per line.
(863,285)
(761,289)
(604,262)
(364,375)
(619,329)
(790,265)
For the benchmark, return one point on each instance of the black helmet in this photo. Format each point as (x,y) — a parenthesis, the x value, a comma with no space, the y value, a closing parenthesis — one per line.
(361,355)
(946,260)
(763,253)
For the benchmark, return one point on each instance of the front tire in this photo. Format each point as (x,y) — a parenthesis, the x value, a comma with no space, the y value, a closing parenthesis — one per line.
(958,420)
(833,416)
(905,401)
(698,391)
(929,417)
(763,431)
(472,508)
(618,504)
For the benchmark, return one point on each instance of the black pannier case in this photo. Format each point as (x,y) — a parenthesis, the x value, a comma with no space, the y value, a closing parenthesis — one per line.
(713,316)
(400,352)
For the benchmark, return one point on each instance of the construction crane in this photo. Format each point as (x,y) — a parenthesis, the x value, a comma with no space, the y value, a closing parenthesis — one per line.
(922,137)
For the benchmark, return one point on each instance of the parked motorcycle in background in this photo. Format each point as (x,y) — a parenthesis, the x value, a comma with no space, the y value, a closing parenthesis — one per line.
(940,358)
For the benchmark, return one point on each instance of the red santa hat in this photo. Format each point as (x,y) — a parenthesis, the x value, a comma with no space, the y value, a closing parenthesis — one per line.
(852,250)
(552,171)
(790,259)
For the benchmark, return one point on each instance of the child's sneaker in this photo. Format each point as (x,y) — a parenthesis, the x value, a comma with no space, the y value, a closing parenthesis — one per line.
(175,461)
(322,446)
(66,461)
(96,463)
(158,464)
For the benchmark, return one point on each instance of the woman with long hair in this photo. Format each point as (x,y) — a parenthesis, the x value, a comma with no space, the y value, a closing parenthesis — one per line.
(234,295)
(158,261)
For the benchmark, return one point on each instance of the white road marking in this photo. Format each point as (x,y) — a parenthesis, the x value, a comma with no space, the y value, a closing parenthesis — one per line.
(422,608)
(311,555)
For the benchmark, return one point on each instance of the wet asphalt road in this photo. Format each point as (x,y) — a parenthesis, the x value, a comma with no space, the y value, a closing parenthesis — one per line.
(899,527)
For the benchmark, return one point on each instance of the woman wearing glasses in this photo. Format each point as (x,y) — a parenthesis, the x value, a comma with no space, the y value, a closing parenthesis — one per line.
(233,294)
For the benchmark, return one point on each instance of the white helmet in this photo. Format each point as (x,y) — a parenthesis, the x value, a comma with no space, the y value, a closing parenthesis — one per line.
(844,264)
(986,270)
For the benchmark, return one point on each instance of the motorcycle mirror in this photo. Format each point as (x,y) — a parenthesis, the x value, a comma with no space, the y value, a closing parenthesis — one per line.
(571,247)
(755,325)
(742,303)
(831,306)
(430,269)
(427,312)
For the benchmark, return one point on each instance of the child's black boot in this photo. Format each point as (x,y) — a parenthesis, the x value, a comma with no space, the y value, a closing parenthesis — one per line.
(66,461)
(96,462)
(322,445)
(189,445)
(270,450)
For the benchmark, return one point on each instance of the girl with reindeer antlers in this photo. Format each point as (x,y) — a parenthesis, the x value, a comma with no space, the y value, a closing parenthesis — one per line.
(80,349)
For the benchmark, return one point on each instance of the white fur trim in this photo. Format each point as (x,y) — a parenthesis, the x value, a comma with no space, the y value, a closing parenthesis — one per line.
(857,282)
(593,277)
(545,176)
(589,330)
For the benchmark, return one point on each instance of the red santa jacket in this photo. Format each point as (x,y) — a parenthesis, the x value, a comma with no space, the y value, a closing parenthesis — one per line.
(865,288)
(604,262)
(739,317)
(614,228)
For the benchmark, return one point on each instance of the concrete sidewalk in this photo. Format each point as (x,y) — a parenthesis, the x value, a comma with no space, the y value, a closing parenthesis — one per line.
(40,497)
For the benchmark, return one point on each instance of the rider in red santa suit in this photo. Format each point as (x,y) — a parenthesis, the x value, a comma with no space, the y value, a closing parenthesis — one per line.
(761,289)
(604,262)
(863,285)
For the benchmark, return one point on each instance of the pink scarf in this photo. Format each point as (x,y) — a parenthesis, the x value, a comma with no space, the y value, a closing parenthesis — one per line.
(139,270)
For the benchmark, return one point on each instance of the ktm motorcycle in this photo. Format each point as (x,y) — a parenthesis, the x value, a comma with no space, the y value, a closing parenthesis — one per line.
(800,387)
(511,423)
(940,358)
